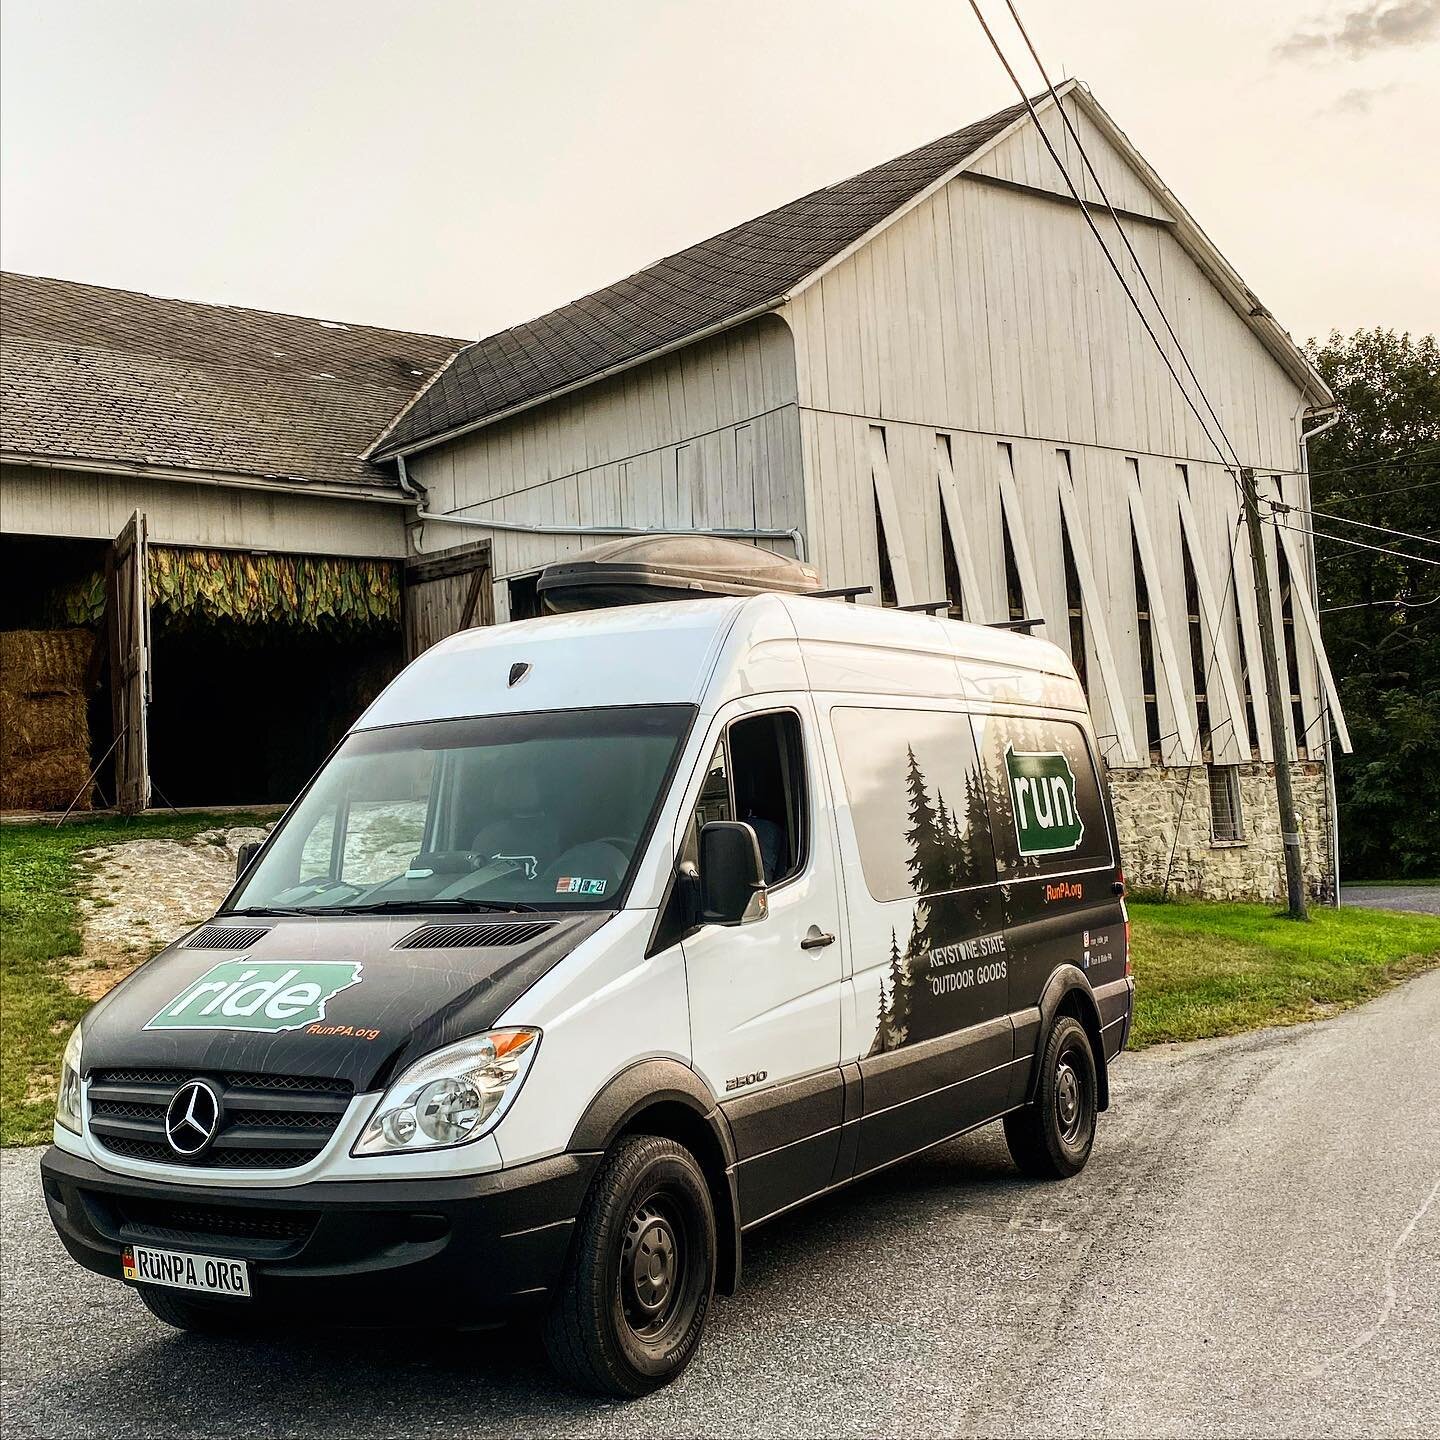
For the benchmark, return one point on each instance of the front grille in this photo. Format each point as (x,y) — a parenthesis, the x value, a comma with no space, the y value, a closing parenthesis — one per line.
(468,936)
(226,937)
(161,1154)
(267,1122)
(283,1122)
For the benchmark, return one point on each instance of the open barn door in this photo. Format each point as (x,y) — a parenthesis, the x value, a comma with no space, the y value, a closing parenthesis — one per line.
(446,593)
(128,605)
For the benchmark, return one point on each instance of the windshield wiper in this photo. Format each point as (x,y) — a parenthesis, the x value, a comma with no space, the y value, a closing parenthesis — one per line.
(275,910)
(424,907)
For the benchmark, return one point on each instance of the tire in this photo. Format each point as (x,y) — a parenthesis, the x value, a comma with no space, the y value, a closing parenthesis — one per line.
(200,1317)
(1051,1138)
(628,1314)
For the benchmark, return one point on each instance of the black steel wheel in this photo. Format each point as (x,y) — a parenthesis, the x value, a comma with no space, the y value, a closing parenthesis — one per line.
(1051,1138)
(628,1315)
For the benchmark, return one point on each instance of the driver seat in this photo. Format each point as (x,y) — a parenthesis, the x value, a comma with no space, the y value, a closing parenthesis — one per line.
(520,826)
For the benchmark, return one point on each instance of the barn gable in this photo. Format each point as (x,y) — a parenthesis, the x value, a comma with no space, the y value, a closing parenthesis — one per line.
(947,398)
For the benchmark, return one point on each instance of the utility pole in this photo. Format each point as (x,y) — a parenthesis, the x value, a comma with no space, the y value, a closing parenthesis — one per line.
(1284,793)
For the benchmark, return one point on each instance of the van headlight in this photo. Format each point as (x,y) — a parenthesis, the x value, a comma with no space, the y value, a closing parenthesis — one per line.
(453,1096)
(70,1103)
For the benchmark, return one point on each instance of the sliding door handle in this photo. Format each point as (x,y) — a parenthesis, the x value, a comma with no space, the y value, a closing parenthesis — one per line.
(816,939)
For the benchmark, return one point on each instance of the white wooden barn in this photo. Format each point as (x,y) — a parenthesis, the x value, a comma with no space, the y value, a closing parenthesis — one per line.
(927,379)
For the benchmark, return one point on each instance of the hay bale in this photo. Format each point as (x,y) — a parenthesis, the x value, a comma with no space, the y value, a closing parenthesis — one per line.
(32,725)
(46,782)
(44,718)
(45,661)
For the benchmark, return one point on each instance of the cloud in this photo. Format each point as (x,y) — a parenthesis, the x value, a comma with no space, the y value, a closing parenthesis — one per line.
(1360,101)
(1378,25)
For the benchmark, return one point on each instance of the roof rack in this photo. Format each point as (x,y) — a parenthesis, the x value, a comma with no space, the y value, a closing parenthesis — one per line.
(928,607)
(1023,626)
(845,592)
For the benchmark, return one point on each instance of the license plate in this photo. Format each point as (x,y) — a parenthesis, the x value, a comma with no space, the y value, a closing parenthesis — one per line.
(209,1274)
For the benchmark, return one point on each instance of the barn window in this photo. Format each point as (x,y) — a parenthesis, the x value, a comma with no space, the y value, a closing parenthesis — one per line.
(882,550)
(1014,586)
(889,543)
(1227,820)
(954,592)
(1198,670)
(1292,656)
(1147,650)
(1074,596)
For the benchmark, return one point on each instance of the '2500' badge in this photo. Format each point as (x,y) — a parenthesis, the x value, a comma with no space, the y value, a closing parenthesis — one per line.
(270,995)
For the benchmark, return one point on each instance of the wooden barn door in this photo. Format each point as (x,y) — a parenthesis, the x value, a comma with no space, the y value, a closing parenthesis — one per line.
(447,593)
(128,603)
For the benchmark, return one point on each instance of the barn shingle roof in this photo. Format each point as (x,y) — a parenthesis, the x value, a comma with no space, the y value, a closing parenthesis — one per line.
(709,284)
(100,375)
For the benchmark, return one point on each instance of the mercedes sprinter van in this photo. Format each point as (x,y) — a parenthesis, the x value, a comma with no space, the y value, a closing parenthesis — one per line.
(599,941)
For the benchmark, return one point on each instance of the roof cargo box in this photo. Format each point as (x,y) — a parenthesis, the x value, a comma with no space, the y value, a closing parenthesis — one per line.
(642,569)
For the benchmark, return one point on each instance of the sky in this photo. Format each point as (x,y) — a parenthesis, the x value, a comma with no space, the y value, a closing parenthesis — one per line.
(457,166)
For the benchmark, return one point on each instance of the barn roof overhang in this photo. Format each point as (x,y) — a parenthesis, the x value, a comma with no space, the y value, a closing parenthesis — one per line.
(383,492)
(405,437)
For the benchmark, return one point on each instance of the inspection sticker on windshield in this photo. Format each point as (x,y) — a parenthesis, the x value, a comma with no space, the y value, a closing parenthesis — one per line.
(578,885)
(269,995)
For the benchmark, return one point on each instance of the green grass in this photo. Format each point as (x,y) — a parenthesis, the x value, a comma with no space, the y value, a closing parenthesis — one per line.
(39,931)
(1200,969)
(1208,969)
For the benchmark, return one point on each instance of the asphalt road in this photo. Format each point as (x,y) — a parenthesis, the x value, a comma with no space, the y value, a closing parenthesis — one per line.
(1422,898)
(1254,1249)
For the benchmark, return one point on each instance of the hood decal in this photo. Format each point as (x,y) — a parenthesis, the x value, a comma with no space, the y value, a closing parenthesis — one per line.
(329,996)
(265,995)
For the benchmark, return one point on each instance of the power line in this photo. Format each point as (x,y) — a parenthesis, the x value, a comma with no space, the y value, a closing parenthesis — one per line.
(1400,459)
(1235,474)
(1280,507)
(1400,489)
(1358,544)
(1100,239)
(1395,604)
(1120,229)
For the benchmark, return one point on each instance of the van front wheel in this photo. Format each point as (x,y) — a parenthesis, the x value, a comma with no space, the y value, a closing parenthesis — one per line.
(1051,1138)
(628,1313)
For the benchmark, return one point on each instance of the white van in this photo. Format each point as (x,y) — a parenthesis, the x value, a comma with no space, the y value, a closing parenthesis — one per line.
(600,940)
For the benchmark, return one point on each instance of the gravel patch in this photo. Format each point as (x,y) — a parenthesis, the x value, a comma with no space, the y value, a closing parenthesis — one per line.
(141,894)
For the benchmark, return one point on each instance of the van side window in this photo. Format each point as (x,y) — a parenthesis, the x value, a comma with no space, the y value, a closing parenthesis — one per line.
(917,799)
(757,774)
(1044,796)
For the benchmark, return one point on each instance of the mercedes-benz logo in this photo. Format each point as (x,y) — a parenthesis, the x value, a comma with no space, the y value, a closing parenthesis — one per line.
(192,1119)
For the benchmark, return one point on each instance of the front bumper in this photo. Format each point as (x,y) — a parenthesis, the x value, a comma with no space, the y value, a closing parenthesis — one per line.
(456,1250)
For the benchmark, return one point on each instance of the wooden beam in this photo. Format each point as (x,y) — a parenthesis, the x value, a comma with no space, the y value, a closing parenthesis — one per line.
(1095,627)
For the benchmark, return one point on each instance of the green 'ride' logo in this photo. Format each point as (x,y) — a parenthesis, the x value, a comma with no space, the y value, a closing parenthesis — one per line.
(268,995)
(1042,792)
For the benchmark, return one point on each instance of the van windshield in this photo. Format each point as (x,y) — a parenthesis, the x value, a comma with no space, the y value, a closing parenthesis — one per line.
(509,812)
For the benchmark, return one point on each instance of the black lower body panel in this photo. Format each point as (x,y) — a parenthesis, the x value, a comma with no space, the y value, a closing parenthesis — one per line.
(920,1094)
(463,1250)
(1116,1003)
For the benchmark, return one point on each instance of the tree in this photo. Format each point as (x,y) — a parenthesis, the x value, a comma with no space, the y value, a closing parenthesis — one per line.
(928,862)
(899,1014)
(1381,613)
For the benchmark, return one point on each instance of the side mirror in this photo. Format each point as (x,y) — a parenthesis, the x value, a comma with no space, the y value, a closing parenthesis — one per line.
(244,855)
(732,877)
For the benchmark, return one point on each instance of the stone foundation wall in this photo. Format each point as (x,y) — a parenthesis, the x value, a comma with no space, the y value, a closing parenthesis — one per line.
(1148,805)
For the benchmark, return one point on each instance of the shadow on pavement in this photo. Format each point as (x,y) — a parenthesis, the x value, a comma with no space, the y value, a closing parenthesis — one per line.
(409,1380)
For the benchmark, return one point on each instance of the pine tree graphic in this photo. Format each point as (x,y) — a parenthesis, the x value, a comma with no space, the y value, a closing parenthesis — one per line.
(942,861)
